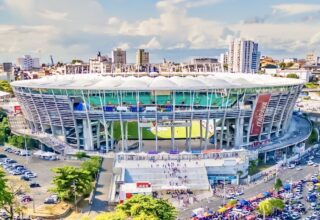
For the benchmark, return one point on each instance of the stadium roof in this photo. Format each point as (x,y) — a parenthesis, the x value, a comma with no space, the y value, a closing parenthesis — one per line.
(190,82)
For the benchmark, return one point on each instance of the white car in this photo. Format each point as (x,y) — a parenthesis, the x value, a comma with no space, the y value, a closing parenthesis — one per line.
(315,165)
(298,168)
(30,175)
(291,166)
(310,163)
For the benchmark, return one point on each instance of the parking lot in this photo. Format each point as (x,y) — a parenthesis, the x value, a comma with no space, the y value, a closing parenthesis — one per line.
(44,174)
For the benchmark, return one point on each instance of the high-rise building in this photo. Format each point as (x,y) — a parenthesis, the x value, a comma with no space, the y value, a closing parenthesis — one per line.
(312,59)
(100,64)
(119,57)
(28,63)
(243,56)
(142,57)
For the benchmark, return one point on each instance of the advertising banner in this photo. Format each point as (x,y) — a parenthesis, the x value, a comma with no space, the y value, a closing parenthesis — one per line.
(258,115)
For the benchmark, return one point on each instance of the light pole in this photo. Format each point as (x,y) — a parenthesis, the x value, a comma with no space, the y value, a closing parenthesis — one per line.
(75,195)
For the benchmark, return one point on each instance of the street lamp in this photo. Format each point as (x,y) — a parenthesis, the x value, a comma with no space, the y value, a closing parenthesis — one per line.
(75,195)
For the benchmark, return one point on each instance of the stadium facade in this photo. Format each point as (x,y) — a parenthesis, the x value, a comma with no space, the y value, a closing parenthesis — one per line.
(236,110)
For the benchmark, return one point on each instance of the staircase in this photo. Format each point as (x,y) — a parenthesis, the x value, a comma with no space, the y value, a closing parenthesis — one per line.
(18,126)
(196,177)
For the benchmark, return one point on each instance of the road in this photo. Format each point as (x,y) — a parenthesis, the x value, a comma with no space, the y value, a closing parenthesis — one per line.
(286,175)
(101,195)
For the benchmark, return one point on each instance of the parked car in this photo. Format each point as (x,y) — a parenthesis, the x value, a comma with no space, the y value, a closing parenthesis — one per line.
(34,185)
(26,198)
(310,163)
(25,178)
(30,174)
(3,156)
(53,199)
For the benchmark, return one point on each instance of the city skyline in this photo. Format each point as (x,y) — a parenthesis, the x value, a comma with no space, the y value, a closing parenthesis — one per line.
(176,30)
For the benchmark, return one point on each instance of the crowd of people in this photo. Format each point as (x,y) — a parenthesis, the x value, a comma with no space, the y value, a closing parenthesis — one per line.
(223,190)
(175,173)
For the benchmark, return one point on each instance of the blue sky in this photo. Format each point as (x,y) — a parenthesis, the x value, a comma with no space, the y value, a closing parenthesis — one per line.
(172,29)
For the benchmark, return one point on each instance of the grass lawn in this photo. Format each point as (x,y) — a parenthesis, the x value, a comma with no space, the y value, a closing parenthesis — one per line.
(163,132)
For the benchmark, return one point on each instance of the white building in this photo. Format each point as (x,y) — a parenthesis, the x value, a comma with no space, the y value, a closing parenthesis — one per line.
(312,59)
(243,56)
(142,57)
(76,68)
(100,64)
(119,57)
(305,75)
(290,60)
(224,61)
(28,63)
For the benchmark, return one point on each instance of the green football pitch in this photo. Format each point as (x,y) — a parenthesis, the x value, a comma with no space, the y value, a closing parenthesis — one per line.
(149,133)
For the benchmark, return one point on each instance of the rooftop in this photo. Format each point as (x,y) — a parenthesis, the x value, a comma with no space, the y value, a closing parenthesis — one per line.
(181,81)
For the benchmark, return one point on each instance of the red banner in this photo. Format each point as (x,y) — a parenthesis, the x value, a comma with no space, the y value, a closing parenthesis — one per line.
(258,115)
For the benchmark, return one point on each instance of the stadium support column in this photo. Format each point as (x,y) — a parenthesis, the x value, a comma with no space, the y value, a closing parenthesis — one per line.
(122,134)
(88,142)
(112,135)
(206,135)
(238,132)
(200,127)
(215,133)
(187,137)
(156,127)
(172,135)
(126,136)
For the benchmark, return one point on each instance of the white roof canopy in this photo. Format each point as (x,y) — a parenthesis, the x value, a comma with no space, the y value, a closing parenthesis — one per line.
(197,81)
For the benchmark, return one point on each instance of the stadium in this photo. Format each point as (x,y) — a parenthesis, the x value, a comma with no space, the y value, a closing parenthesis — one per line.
(192,111)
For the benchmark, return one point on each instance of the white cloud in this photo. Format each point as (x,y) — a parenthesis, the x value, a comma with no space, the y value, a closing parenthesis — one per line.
(200,3)
(152,44)
(61,29)
(124,46)
(113,21)
(294,9)
(53,15)
(177,46)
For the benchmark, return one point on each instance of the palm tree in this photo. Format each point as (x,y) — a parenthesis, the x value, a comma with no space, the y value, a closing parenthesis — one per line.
(265,208)
(268,206)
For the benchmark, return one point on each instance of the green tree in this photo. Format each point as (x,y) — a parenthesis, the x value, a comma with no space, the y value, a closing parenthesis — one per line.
(5,86)
(68,180)
(145,207)
(278,184)
(92,165)
(290,64)
(282,65)
(268,206)
(80,155)
(9,199)
(277,204)
(116,215)
(76,61)
(293,76)
(6,197)
(313,137)
(265,208)
(4,130)
(232,202)
(253,167)
(225,66)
